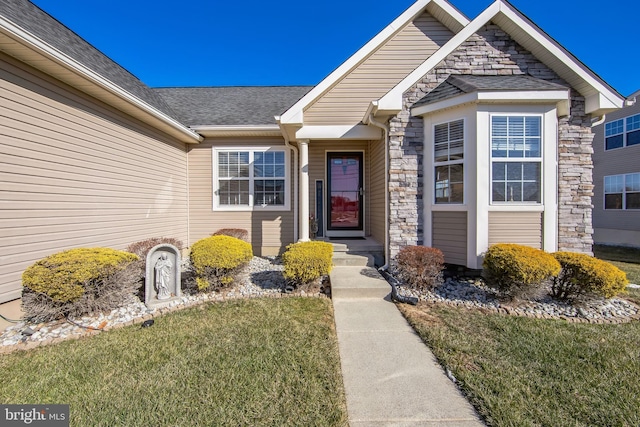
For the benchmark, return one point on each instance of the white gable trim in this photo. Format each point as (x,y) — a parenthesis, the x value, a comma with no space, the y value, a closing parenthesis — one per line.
(600,96)
(295,114)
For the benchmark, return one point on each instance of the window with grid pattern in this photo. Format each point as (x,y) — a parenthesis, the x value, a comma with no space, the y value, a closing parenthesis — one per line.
(448,156)
(622,191)
(516,159)
(250,178)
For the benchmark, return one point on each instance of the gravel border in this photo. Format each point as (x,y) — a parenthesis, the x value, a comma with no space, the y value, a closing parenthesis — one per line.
(474,293)
(262,278)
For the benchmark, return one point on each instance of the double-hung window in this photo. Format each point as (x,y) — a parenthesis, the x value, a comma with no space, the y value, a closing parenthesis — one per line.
(448,161)
(622,133)
(250,178)
(516,159)
(622,191)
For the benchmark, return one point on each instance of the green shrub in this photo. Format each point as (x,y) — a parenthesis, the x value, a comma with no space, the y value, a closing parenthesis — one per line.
(78,281)
(420,267)
(516,270)
(583,276)
(217,260)
(305,262)
(238,233)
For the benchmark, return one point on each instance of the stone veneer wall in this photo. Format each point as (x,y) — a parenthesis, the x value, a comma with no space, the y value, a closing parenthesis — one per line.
(490,52)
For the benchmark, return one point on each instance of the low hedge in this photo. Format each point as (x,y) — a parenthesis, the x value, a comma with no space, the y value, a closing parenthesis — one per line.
(78,281)
(420,267)
(518,270)
(217,260)
(305,262)
(583,276)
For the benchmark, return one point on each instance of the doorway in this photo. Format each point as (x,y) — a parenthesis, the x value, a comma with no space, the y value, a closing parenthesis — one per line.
(345,194)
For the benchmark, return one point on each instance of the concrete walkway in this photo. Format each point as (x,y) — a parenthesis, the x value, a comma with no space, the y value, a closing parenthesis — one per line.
(391,378)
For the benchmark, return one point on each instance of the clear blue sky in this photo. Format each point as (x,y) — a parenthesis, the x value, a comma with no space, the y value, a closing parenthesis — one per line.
(293,42)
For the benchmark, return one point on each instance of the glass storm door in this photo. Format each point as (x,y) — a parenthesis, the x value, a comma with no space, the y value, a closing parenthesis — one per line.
(344,172)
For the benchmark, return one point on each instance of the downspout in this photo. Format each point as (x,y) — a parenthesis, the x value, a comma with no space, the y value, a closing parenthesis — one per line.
(294,150)
(385,138)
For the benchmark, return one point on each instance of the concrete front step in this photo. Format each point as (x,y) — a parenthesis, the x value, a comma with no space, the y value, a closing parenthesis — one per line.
(357,282)
(354,260)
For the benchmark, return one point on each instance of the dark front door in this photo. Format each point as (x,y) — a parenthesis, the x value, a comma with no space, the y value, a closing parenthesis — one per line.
(345,204)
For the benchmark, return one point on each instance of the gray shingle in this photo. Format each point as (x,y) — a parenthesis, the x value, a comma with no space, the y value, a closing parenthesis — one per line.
(34,20)
(459,84)
(231,106)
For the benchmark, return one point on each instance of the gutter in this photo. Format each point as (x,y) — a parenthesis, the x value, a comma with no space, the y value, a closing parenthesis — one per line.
(33,43)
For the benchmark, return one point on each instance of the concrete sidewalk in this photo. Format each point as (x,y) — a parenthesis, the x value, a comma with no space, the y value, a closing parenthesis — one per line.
(391,378)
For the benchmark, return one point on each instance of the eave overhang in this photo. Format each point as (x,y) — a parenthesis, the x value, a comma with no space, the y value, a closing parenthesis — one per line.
(215,131)
(27,48)
(600,98)
(558,97)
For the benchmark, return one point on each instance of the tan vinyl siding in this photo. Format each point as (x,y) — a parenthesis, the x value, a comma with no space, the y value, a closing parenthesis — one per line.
(450,236)
(270,231)
(523,228)
(75,172)
(348,100)
(613,162)
(318,170)
(376,191)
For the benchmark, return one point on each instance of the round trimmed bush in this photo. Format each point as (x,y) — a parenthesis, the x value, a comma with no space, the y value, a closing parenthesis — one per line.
(583,276)
(78,281)
(518,270)
(420,267)
(305,262)
(218,259)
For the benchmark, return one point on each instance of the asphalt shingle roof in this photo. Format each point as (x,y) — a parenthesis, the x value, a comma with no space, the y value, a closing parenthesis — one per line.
(36,21)
(231,106)
(460,84)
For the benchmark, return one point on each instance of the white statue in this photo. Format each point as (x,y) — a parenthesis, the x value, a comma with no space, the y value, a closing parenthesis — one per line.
(163,276)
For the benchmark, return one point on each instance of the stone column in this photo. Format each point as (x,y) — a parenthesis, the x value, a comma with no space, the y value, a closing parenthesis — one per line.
(303,145)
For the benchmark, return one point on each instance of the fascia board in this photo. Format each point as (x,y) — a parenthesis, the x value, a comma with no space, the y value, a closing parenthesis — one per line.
(357,132)
(295,113)
(393,99)
(549,96)
(34,43)
(609,96)
(211,131)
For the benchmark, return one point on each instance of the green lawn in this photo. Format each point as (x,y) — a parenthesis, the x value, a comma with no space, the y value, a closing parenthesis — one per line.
(527,372)
(627,260)
(271,362)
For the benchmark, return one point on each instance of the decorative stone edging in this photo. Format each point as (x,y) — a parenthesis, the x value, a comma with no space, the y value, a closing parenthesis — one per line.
(84,331)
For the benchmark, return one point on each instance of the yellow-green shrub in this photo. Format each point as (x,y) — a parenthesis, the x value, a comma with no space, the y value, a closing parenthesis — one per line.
(305,262)
(77,281)
(216,260)
(583,276)
(518,270)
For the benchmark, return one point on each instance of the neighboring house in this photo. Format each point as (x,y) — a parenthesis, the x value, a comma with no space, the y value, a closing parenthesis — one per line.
(616,176)
(440,131)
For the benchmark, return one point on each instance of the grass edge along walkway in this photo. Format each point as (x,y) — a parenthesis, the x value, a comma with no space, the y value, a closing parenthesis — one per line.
(261,361)
(536,372)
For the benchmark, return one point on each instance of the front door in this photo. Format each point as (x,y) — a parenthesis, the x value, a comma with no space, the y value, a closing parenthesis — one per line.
(345,194)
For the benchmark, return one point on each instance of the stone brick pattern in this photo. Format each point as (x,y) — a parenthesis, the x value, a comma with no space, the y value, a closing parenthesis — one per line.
(489,52)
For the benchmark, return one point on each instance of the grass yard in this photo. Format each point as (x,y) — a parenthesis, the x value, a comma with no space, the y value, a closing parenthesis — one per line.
(527,372)
(254,362)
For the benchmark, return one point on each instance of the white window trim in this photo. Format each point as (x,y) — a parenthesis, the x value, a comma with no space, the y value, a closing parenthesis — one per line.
(539,160)
(463,162)
(250,208)
(624,133)
(624,192)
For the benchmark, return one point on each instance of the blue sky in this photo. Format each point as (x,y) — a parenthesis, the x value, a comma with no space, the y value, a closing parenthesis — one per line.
(289,42)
